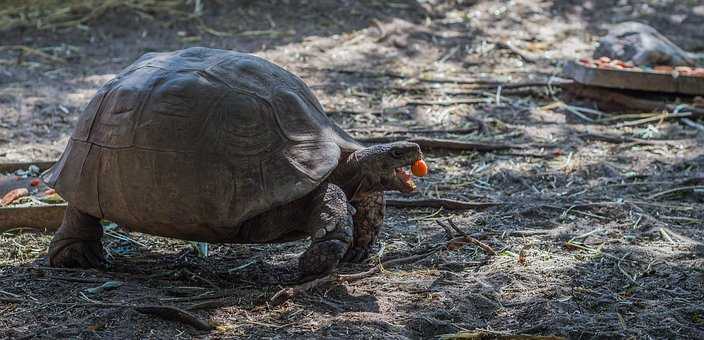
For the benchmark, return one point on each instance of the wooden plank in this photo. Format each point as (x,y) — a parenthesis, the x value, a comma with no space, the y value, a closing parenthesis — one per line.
(634,80)
(14,166)
(47,217)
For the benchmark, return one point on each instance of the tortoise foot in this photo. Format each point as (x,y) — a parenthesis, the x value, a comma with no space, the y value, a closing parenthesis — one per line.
(73,253)
(356,254)
(77,242)
(331,230)
(322,257)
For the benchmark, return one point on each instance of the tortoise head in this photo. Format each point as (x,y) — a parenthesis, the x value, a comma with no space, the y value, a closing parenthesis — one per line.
(382,166)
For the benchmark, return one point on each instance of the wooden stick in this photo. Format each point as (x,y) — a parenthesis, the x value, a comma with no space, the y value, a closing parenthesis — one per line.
(437,203)
(165,312)
(174,314)
(446,144)
(455,80)
(480,335)
(666,192)
(34,51)
(654,119)
(526,56)
(471,239)
(515,89)
(625,139)
(410,131)
(692,124)
(449,102)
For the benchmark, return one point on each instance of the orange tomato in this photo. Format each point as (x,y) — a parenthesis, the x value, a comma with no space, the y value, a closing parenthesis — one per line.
(419,168)
(13,196)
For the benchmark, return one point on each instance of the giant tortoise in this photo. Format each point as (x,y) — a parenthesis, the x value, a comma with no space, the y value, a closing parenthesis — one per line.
(223,147)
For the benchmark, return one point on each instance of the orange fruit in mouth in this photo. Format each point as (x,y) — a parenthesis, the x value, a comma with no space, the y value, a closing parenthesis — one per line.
(419,168)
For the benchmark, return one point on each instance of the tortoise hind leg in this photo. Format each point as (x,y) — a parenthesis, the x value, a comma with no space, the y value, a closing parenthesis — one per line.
(77,242)
(330,225)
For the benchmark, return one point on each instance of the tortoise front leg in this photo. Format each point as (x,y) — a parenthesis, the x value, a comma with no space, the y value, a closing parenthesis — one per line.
(367,224)
(330,226)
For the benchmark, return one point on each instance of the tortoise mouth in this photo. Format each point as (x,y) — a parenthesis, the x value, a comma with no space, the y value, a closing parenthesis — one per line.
(407,184)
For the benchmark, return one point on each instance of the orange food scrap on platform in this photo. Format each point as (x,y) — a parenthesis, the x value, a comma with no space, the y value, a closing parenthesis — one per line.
(13,195)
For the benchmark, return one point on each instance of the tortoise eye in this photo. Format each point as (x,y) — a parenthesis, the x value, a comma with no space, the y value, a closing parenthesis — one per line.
(396,153)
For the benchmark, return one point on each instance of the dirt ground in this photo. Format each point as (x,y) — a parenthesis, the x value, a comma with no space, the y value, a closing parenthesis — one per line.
(591,239)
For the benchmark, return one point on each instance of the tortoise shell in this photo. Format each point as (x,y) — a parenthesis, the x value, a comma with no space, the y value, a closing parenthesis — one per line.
(197,139)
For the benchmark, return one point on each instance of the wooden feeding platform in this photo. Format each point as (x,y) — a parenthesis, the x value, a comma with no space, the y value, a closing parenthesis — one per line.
(45,217)
(686,81)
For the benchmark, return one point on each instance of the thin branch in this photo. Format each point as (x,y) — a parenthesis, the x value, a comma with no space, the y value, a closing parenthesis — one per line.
(164,312)
(454,80)
(447,144)
(436,203)
(526,56)
(34,51)
(654,119)
(449,102)
(670,191)
(468,238)
(624,139)
(410,131)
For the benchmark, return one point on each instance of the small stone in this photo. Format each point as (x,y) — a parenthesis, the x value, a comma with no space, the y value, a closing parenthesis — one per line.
(698,10)
(34,170)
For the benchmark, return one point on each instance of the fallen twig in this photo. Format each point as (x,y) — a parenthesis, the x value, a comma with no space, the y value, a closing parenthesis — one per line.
(29,50)
(455,80)
(12,300)
(174,314)
(75,279)
(526,56)
(446,144)
(666,192)
(436,203)
(449,101)
(165,312)
(624,139)
(410,131)
(481,335)
(692,124)
(654,118)
(471,239)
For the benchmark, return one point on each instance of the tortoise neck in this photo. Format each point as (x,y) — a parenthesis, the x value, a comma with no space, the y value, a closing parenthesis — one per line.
(349,175)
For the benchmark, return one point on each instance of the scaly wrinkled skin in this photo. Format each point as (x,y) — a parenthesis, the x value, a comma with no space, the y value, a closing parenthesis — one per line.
(77,243)
(367,224)
(330,226)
